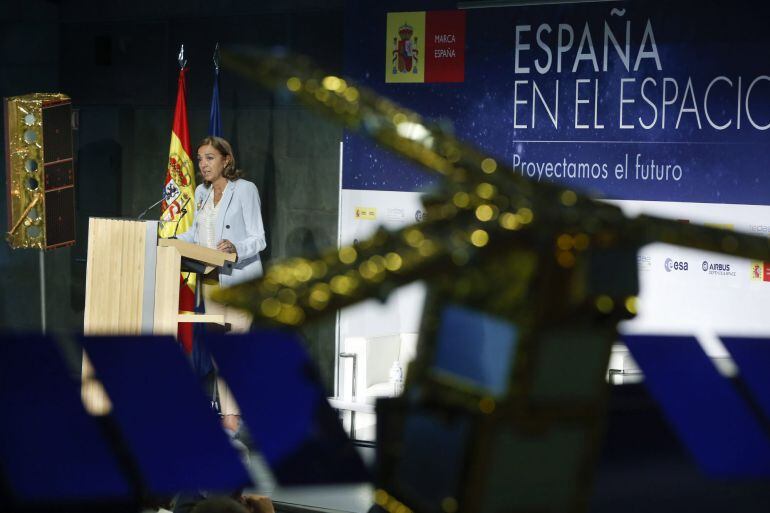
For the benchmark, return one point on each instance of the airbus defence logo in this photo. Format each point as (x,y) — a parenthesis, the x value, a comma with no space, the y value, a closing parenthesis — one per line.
(717,268)
(675,265)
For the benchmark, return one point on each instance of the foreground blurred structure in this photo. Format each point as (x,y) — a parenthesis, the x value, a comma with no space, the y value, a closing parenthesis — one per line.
(527,283)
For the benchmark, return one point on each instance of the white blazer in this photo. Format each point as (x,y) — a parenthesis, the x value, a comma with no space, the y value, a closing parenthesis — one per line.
(239,220)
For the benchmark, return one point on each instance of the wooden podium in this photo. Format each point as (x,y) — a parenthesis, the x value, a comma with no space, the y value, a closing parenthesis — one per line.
(132,287)
(132,278)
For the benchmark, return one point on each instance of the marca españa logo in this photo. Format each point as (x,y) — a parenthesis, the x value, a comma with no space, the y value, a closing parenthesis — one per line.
(425,46)
(760,271)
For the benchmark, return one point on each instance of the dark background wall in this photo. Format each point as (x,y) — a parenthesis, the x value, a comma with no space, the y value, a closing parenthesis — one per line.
(117,61)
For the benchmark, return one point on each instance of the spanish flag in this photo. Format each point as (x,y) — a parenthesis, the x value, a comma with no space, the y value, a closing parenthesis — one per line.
(179,207)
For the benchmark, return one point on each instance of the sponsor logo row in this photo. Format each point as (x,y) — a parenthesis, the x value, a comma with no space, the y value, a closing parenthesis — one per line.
(392,214)
(757,271)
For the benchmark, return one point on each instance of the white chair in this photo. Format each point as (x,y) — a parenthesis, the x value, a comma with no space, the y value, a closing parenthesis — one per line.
(373,359)
(364,375)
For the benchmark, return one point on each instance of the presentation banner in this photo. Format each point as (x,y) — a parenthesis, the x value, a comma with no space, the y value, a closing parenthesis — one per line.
(659,107)
(653,100)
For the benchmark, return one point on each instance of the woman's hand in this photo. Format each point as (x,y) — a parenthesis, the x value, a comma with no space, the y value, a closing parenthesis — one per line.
(226,246)
(231,422)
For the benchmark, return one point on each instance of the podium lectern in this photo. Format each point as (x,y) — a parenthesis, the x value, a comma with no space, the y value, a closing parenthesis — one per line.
(132,278)
(132,286)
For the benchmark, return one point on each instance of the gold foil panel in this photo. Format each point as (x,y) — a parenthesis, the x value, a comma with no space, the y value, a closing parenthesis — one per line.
(24,173)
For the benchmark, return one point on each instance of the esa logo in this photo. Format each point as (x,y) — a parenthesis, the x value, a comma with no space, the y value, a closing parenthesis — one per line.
(675,265)
(760,228)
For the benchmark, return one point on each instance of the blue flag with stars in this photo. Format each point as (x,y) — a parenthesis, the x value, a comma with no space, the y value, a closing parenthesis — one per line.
(201,357)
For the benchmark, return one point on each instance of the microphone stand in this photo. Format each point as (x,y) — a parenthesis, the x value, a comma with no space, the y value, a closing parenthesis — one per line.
(182,212)
(151,207)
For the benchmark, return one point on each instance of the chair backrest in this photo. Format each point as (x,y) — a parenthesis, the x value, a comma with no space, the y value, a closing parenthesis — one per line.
(408,350)
(381,353)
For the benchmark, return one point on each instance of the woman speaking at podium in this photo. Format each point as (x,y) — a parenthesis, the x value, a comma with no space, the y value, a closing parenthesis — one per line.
(227,218)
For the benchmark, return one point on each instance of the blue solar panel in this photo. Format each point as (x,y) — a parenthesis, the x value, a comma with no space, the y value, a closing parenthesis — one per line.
(51,450)
(167,423)
(427,440)
(477,347)
(752,355)
(284,405)
(706,411)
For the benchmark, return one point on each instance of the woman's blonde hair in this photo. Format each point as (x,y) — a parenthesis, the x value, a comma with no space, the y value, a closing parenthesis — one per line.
(223,147)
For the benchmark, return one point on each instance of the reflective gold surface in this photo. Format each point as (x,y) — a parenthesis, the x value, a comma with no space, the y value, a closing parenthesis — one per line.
(25,169)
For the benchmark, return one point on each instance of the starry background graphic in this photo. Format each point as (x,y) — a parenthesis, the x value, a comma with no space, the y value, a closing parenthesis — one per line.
(694,41)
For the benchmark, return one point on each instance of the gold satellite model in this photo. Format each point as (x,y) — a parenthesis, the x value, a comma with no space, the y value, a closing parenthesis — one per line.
(40,176)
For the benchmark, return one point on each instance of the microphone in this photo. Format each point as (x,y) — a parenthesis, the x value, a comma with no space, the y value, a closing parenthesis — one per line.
(164,198)
(182,212)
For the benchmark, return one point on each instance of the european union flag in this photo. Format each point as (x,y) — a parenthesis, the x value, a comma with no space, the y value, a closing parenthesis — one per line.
(200,355)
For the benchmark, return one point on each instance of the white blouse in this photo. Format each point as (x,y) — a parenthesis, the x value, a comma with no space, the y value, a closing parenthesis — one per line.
(207,223)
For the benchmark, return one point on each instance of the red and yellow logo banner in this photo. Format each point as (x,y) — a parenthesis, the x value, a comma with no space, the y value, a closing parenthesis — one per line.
(425,47)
